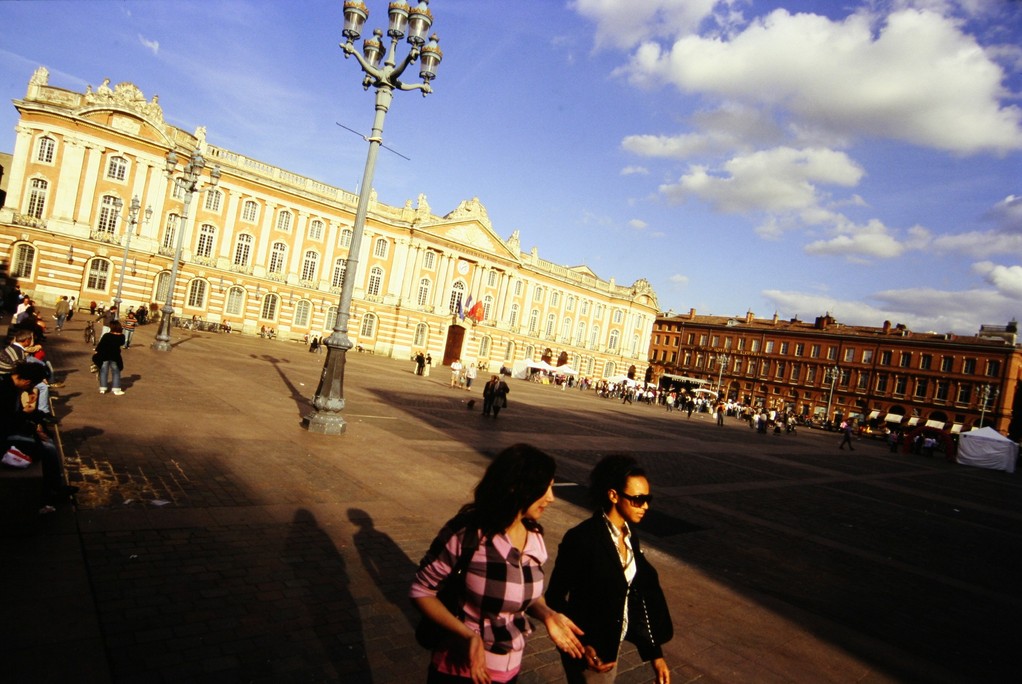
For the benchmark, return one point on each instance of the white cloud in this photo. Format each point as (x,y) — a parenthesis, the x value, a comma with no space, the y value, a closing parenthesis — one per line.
(920,78)
(872,241)
(1007,279)
(637,224)
(151,45)
(1008,214)
(635,171)
(678,279)
(980,244)
(624,24)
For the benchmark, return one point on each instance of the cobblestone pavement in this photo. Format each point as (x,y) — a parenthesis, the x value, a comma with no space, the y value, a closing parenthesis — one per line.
(215,540)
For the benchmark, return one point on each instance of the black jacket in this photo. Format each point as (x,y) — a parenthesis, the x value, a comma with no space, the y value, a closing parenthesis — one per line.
(588,585)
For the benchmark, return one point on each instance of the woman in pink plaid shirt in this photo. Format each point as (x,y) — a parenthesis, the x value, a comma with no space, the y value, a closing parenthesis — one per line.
(503,579)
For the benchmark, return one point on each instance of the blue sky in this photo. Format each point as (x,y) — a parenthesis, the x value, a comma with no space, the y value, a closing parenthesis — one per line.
(798,157)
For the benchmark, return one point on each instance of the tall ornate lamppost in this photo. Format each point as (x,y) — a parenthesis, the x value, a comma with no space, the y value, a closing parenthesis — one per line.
(722,360)
(132,222)
(188,181)
(832,374)
(329,401)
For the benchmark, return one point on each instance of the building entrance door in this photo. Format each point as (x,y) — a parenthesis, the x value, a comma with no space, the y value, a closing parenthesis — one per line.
(455,340)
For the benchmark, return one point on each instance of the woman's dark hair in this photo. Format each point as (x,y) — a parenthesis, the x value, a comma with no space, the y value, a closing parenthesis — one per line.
(116,327)
(612,472)
(517,478)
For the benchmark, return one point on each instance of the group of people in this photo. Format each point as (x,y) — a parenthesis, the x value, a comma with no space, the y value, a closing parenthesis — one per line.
(602,590)
(423,363)
(463,374)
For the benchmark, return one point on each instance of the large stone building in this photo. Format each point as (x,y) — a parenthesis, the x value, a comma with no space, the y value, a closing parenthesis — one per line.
(825,369)
(266,248)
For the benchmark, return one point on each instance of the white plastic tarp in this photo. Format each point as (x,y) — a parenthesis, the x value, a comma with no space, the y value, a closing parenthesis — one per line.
(987,448)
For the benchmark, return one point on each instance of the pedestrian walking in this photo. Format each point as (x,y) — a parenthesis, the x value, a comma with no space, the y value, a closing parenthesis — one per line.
(61,312)
(495,396)
(847,427)
(108,359)
(130,323)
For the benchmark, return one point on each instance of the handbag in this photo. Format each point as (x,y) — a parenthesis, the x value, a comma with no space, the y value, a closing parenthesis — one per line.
(451,593)
(16,458)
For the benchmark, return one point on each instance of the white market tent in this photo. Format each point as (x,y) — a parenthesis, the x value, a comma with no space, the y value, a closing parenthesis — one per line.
(520,369)
(987,448)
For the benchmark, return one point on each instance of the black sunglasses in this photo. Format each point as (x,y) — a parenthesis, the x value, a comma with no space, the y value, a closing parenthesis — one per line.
(637,500)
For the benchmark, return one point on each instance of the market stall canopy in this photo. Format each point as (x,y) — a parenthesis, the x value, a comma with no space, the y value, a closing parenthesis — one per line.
(893,417)
(684,378)
(987,448)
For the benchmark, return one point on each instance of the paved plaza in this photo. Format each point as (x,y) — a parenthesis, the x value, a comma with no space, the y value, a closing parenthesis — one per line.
(215,540)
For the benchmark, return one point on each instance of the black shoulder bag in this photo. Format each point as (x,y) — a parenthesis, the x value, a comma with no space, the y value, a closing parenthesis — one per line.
(451,593)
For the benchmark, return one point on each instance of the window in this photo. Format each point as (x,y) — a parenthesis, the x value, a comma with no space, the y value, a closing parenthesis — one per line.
(969,366)
(885,358)
(942,390)
(779,370)
(784,348)
(484,346)
(207,234)
(117,168)
(537,294)
(811,375)
(882,383)
(488,308)
(702,340)
(344,240)
(513,317)
(555,298)
(549,325)
(964,393)
(752,365)
(993,369)
(235,299)
(44,153)
(249,211)
(243,250)
(863,382)
(925,361)
(614,335)
(380,248)
(24,258)
(618,317)
(303,314)
(534,322)
(832,353)
(518,288)
(947,363)
(814,351)
(37,197)
(162,285)
(922,384)
(421,331)
(375,281)
(170,232)
(800,349)
(277,253)
(769,349)
(309,264)
(849,354)
(108,214)
(213,198)
(491,278)
(99,272)
(899,385)
(197,294)
(284,221)
(580,335)
(268,312)
(422,296)
(715,341)
(177,190)
(337,279)
(509,351)
(368,326)
(755,345)
(429,260)
(796,371)
(867,356)
(584,310)
(906,359)
(331,316)
(316,230)
(594,336)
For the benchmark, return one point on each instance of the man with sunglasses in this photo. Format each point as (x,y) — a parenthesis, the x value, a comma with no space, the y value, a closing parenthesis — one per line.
(602,581)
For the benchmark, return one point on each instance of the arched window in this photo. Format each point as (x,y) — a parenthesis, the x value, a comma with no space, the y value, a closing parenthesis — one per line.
(550,321)
(269,310)
(457,293)
(380,248)
(117,168)
(243,250)
(303,314)
(484,346)
(44,153)
(24,259)
(375,280)
(162,286)
(207,235)
(518,288)
(278,252)
(213,198)
(331,317)
(249,211)
(422,296)
(555,298)
(107,214)
(594,337)
(197,294)
(614,335)
(344,239)
(529,352)
(429,260)
(309,264)
(488,307)
(170,231)
(99,274)
(316,230)
(37,197)
(580,336)
(534,322)
(337,279)
(610,369)
(512,319)
(537,294)
(635,344)
(585,311)
(570,303)
(509,351)
(421,335)
(235,301)
(617,315)
(368,328)
(284,221)
(566,330)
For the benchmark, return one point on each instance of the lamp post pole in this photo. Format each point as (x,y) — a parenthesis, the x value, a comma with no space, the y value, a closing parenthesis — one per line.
(189,181)
(722,360)
(985,397)
(132,222)
(832,374)
(329,400)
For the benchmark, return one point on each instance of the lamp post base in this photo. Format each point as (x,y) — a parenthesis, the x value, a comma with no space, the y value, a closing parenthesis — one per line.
(326,423)
(326,417)
(162,342)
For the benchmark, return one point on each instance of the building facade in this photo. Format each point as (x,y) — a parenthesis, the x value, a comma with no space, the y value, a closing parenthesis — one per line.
(825,370)
(266,249)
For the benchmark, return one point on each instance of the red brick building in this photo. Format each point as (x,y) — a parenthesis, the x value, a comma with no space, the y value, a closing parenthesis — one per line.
(826,369)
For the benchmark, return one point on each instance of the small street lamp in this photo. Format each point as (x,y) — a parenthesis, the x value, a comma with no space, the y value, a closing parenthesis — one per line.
(329,401)
(722,360)
(831,375)
(132,222)
(188,181)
